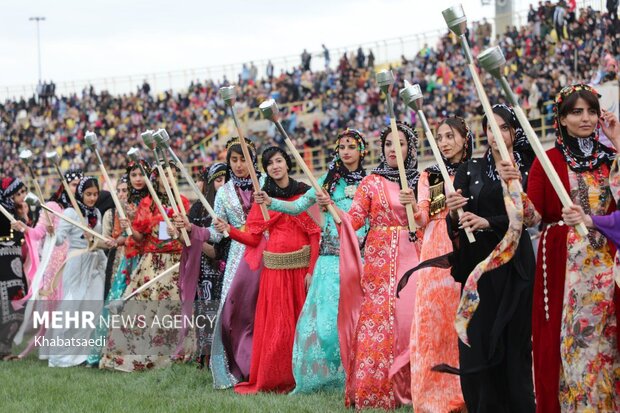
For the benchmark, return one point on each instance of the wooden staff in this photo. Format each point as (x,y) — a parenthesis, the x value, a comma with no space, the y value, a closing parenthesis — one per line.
(91,141)
(163,140)
(173,181)
(134,156)
(25,156)
(147,138)
(269,109)
(228,95)
(385,81)
(493,61)
(33,200)
(149,283)
(53,156)
(412,96)
(457,23)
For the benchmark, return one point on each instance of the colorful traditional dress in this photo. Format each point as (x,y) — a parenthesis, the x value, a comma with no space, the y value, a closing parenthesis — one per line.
(232,337)
(136,349)
(379,374)
(316,353)
(433,338)
(289,255)
(576,302)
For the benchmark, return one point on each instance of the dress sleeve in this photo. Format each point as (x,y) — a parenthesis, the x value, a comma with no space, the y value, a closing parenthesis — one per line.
(295,207)
(461,181)
(424,201)
(244,237)
(536,187)
(37,233)
(360,207)
(143,221)
(63,232)
(531,217)
(107,227)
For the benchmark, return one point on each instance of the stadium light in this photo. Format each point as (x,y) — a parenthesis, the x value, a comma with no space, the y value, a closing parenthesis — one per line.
(38,19)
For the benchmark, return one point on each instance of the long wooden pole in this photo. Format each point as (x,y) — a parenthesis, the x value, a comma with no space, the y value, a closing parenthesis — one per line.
(75,223)
(173,203)
(156,199)
(117,202)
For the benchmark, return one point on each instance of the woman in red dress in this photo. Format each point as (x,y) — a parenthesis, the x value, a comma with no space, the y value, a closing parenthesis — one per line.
(289,256)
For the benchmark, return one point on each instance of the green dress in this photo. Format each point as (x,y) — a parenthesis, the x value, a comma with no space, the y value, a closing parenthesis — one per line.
(316,351)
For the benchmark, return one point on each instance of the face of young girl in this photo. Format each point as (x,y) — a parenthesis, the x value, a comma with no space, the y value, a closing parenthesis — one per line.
(581,120)
(276,167)
(507,134)
(389,148)
(219,182)
(349,153)
(122,191)
(137,179)
(90,196)
(238,166)
(19,197)
(450,143)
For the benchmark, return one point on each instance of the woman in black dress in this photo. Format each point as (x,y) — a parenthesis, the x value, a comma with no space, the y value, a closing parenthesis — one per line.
(496,371)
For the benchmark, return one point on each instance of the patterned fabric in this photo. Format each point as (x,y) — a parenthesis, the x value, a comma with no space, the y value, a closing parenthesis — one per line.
(336,169)
(499,256)
(590,368)
(125,347)
(228,206)
(580,154)
(147,221)
(89,213)
(9,187)
(316,351)
(433,338)
(411,161)
(379,373)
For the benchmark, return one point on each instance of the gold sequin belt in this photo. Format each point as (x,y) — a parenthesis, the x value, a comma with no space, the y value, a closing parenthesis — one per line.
(287,260)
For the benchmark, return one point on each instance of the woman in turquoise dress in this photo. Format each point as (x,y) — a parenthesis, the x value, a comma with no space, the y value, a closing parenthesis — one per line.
(316,351)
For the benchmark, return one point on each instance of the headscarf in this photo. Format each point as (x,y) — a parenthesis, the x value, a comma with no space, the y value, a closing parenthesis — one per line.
(271,187)
(521,148)
(581,154)
(198,214)
(467,151)
(124,179)
(337,170)
(60,196)
(136,195)
(411,161)
(215,171)
(10,186)
(242,183)
(90,213)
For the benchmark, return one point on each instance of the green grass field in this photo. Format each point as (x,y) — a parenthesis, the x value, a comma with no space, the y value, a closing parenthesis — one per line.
(29,385)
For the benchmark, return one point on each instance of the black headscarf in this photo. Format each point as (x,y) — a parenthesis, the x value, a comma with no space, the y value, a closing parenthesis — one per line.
(337,170)
(90,213)
(581,154)
(60,196)
(136,195)
(411,161)
(10,186)
(198,214)
(522,151)
(271,187)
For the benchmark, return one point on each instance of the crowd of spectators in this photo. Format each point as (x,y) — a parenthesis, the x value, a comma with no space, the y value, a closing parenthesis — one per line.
(553,49)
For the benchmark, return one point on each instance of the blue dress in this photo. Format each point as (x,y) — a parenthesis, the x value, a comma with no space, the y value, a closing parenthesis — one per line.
(316,351)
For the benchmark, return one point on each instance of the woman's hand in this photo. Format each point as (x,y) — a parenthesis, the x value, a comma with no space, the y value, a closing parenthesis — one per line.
(507,171)
(406,197)
(308,281)
(208,250)
(261,197)
(472,222)
(454,201)
(180,221)
(120,241)
(611,127)
(125,223)
(110,243)
(221,226)
(574,215)
(323,199)
(19,226)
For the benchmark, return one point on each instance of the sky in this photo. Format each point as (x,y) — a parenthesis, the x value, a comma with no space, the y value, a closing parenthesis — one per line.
(126,40)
